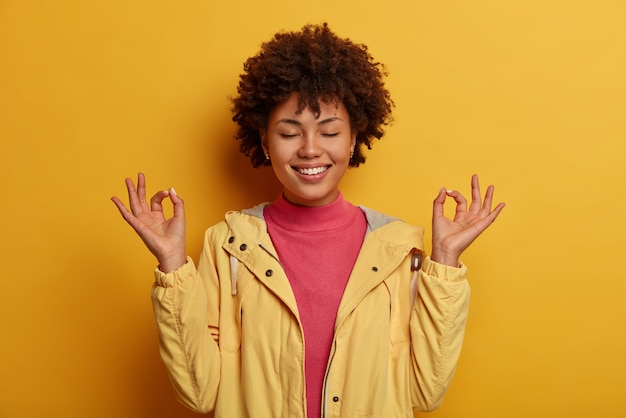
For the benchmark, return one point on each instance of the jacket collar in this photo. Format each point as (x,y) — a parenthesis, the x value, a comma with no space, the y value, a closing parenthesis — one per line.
(374,218)
(383,250)
(387,243)
(249,242)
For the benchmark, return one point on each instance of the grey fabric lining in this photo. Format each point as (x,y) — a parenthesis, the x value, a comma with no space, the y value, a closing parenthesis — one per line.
(374,218)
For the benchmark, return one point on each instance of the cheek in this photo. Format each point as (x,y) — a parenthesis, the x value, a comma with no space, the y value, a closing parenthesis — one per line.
(280,155)
(343,152)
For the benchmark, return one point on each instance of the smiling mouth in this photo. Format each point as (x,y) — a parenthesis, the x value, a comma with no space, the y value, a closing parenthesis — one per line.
(311,171)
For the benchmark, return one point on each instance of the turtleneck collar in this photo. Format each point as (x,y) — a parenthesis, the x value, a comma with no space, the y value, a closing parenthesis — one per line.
(335,215)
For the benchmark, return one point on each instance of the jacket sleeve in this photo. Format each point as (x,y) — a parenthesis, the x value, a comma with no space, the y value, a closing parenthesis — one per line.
(437,326)
(186,309)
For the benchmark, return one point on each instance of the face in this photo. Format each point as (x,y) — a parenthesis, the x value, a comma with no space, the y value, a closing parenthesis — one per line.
(309,156)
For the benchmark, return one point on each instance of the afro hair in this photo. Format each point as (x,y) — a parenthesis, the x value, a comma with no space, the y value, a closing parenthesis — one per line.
(318,65)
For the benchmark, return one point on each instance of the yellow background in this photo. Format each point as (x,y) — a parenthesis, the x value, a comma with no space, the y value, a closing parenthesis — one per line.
(530,94)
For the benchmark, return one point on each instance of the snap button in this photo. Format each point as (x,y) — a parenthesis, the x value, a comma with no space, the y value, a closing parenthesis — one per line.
(243,247)
(231,240)
(268,273)
(374,269)
(335,398)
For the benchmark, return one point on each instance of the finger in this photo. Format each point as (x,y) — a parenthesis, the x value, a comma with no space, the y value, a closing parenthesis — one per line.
(488,202)
(497,210)
(133,197)
(476,204)
(489,219)
(156,203)
(461,202)
(140,228)
(126,214)
(438,203)
(141,191)
(179,205)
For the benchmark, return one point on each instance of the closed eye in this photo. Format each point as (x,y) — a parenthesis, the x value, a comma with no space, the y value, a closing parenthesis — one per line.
(331,134)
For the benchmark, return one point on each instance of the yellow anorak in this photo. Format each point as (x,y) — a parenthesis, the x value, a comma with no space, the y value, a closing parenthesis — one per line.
(232,342)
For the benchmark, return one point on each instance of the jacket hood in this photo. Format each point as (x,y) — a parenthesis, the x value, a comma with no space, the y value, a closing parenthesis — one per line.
(399,234)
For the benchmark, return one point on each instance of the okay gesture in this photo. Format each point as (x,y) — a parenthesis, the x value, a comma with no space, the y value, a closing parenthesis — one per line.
(452,236)
(165,238)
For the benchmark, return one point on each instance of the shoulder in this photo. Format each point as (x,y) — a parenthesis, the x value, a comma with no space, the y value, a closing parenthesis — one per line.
(243,222)
(376,219)
(391,230)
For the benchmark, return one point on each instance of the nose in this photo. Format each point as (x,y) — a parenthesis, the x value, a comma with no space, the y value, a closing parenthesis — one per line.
(311,147)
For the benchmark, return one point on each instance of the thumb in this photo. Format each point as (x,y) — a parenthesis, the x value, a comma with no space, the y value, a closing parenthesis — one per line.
(438,203)
(179,204)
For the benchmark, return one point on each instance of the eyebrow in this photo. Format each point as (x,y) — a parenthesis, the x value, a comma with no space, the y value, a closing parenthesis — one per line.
(298,123)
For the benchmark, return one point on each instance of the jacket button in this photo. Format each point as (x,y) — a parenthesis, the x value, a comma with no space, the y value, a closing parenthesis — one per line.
(374,269)
(335,398)
(268,273)
(231,240)
(243,247)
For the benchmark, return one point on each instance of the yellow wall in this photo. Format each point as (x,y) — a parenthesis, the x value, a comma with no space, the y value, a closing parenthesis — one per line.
(531,94)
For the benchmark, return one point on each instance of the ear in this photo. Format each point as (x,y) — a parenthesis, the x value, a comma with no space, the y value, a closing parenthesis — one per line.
(352,142)
(264,144)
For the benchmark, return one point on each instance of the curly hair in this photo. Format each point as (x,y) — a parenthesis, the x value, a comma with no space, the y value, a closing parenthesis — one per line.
(318,65)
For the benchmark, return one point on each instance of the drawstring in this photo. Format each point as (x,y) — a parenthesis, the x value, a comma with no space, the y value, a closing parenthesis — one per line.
(233,275)
(416,263)
(233,268)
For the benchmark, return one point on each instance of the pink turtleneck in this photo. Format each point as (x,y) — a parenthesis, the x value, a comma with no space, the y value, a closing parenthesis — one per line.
(317,247)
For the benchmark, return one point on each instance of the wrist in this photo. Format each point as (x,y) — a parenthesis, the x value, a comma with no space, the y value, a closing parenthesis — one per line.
(169,264)
(445,258)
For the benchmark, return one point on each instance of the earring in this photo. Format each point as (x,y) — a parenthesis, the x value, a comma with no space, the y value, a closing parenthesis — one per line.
(267,157)
(351,154)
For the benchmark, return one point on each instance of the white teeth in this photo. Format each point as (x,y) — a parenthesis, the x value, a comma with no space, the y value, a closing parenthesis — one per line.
(312,171)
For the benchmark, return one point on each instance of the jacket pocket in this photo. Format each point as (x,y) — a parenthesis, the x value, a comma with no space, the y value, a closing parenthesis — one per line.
(399,312)
(232,310)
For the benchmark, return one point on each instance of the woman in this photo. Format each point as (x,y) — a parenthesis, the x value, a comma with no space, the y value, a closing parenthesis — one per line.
(310,306)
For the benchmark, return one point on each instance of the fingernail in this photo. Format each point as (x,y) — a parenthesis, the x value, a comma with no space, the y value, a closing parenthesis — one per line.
(449,191)
(173,191)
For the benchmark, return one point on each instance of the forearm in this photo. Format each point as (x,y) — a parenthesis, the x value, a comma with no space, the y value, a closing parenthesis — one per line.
(437,328)
(188,349)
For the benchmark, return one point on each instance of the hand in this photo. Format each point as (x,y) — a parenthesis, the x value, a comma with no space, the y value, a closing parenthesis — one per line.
(165,238)
(452,236)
